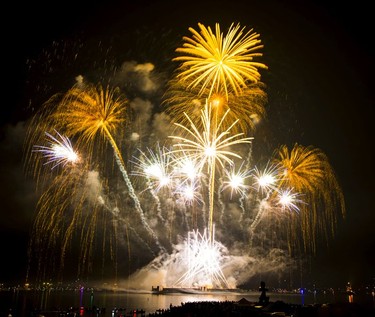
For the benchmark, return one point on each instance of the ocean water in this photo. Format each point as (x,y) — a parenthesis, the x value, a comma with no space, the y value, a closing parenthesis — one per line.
(50,303)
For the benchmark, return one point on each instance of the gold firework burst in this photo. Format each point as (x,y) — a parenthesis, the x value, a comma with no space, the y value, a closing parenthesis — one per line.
(88,114)
(92,113)
(307,170)
(219,63)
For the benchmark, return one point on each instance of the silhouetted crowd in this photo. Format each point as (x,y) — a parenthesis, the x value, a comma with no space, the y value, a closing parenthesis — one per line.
(278,308)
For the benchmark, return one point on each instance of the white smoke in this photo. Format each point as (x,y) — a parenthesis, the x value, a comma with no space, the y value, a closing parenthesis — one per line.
(238,266)
(140,76)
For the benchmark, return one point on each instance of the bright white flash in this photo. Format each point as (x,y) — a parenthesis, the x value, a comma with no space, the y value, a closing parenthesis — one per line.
(210,151)
(186,168)
(289,200)
(266,180)
(153,170)
(236,180)
(155,166)
(156,171)
(204,258)
(58,152)
(188,192)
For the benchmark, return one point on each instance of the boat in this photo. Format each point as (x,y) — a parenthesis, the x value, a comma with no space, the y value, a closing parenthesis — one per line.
(192,290)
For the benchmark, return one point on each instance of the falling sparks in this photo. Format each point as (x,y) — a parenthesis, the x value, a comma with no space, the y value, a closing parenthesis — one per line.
(307,170)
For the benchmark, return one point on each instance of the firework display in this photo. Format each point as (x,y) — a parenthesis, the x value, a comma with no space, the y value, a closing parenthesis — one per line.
(194,203)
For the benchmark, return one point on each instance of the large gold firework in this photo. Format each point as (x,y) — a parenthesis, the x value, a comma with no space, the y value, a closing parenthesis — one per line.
(219,63)
(89,114)
(307,170)
(93,116)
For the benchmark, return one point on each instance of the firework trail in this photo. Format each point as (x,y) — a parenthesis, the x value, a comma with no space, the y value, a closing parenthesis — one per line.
(90,111)
(54,201)
(209,147)
(158,169)
(268,183)
(220,200)
(265,183)
(247,172)
(132,193)
(115,212)
(236,182)
(155,168)
(189,186)
(262,208)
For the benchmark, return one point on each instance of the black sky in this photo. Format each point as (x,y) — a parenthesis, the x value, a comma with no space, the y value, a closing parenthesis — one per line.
(321,66)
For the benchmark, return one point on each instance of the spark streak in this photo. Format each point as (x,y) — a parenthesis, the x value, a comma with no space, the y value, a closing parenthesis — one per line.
(59,152)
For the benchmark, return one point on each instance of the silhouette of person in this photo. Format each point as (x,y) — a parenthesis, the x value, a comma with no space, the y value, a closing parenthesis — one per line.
(263,298)
(350,292)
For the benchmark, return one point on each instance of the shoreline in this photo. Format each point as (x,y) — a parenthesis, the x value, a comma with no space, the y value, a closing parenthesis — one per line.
(240,308)
(57,303)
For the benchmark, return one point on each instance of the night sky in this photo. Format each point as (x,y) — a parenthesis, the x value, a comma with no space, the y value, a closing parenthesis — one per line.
(320,83)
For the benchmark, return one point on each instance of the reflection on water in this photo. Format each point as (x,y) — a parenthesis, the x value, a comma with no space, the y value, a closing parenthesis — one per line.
(22,303)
